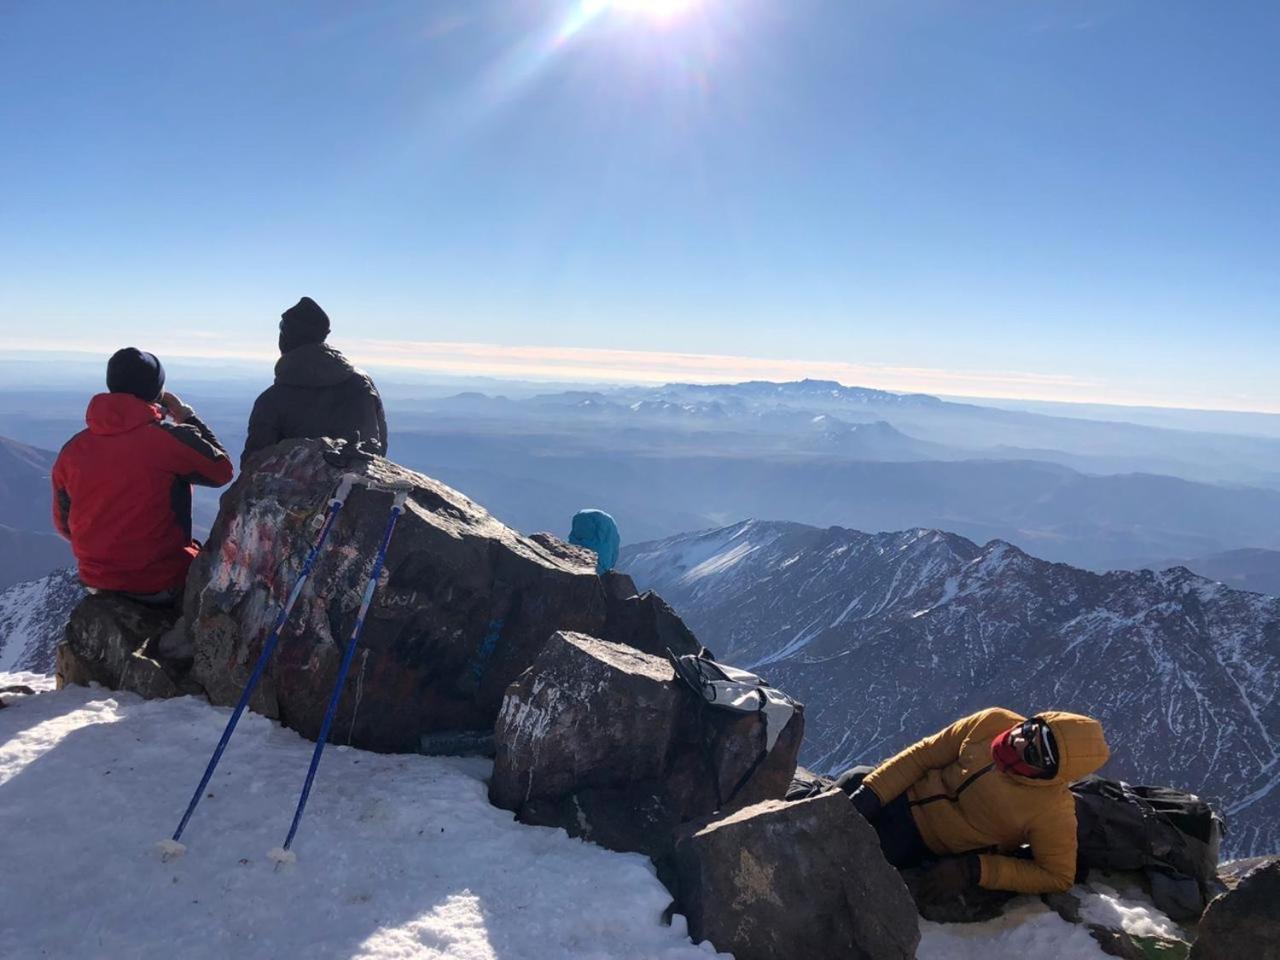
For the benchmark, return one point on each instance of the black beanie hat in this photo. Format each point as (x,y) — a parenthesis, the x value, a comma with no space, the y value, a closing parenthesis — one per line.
(301,324)
(137,372)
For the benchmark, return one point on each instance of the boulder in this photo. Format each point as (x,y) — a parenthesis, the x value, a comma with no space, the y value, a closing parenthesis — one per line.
(778,880)
(603,740)
(646,621)
(125,645)
(463,606)
(1244,921)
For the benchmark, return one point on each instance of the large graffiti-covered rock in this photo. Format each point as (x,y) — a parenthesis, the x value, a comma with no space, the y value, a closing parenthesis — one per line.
(463,604)
(603,740)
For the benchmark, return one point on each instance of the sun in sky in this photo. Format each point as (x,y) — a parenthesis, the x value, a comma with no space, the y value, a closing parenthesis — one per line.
(658,11)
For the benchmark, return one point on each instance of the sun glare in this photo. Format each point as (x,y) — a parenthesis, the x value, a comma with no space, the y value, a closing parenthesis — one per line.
(657,11)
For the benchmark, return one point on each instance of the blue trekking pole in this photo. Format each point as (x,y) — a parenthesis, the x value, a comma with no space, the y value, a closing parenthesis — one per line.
(173,846)
(284,854)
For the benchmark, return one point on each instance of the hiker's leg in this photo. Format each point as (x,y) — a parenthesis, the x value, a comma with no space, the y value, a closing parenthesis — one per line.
(163,598)
(900,838)
(805,784)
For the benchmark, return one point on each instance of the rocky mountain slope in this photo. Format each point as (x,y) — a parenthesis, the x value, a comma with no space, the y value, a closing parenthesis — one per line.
(33,616)
(890,636)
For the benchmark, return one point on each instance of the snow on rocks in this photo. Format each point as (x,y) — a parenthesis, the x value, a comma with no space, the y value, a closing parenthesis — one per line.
(1027,929)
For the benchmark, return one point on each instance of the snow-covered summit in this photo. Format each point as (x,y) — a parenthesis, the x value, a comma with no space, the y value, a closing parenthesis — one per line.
(399,858)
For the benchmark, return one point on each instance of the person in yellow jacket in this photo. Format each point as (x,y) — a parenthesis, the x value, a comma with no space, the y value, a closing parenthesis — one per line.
(975,793)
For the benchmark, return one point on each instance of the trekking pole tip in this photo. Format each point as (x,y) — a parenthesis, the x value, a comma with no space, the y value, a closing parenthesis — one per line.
(280,856)
(168,849)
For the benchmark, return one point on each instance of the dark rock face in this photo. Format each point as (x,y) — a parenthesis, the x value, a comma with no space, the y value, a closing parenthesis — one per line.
(463,605)
(648,623)
(1245,921)
(778,880)
(603,740)
(125,645)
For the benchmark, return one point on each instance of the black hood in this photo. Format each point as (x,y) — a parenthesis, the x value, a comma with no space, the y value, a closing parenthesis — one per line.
(313,365)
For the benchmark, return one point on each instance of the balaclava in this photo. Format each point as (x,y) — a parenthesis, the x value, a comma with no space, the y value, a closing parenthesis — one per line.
(1007,760)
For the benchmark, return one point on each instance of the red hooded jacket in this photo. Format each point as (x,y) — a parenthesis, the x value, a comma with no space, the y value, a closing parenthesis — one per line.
(122,493)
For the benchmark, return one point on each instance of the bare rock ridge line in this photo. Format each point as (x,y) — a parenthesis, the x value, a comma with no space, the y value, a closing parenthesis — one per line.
(889,635)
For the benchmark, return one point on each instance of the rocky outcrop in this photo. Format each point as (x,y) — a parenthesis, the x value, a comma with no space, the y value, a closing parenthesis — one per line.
(1244,921)
(603,740)
(463,606)
(126,645)
(778,880)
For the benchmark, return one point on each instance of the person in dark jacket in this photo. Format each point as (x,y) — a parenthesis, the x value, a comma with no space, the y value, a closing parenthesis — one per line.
(122,487)
(317,393)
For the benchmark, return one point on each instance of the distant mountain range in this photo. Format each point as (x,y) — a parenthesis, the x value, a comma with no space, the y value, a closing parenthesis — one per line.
(1256,570)
(29,547)
(1097,494)
(888,637)
(536,481)
(930,428)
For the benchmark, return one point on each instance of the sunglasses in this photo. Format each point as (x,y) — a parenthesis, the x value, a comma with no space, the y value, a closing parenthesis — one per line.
(1038,751)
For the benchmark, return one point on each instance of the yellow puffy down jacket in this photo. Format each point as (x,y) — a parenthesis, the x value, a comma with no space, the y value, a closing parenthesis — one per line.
(962,803)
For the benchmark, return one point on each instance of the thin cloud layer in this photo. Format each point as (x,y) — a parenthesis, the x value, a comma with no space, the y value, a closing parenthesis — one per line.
(646,366)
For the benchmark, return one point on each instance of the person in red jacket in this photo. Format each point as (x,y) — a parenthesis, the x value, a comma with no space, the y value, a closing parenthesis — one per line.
(122,488)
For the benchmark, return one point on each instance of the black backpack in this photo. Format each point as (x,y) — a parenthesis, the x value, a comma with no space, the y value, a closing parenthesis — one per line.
(1171,836)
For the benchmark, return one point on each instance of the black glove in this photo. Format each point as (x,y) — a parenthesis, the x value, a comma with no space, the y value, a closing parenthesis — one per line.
(951,877)
(866,802)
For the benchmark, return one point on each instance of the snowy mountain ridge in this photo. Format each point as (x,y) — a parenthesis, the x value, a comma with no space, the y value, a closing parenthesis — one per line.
(33,616)
(887,637)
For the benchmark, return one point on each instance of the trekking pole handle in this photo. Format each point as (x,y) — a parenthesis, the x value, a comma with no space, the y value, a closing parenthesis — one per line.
(348,481)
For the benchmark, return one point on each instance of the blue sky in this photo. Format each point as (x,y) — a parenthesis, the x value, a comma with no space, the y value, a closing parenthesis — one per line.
(1066,200)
